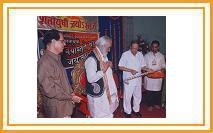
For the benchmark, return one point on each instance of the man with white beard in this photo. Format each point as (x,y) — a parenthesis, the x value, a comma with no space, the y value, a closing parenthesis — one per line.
(101,89)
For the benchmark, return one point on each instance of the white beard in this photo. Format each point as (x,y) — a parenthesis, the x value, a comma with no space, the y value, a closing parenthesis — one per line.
(104,53)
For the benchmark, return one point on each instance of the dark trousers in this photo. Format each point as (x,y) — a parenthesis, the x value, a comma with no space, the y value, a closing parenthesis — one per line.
(153,98)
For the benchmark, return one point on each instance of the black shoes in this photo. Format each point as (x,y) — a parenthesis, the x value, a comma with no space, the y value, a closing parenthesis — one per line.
(137,114)
(127,115)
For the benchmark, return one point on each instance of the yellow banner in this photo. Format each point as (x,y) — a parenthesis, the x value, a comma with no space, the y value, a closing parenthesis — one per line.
(69,23)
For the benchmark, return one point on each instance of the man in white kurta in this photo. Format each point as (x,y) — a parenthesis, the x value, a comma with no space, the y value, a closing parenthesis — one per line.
(101,107)
(155,61)
(131,63)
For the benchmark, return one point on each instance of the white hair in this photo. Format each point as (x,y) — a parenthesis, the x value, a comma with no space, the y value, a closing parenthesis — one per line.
(101,41)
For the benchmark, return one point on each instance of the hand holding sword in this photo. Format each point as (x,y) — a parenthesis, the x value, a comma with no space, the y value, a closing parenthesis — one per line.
(133,71)
(149,71)
(126,81)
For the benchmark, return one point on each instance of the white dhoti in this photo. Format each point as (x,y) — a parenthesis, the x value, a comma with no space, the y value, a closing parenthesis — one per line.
(115,102)
(130,91)
(99,106)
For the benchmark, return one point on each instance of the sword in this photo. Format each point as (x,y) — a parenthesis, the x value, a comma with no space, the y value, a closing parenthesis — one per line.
(126,81)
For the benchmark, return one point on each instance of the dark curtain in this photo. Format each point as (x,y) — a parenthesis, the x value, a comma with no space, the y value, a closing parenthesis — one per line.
(112,26)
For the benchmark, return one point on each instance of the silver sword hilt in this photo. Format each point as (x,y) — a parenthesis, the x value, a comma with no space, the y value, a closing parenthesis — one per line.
(126,81)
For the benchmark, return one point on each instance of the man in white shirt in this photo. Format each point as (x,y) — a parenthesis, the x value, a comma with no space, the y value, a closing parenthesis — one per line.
(155,61)
(131,63)
(101,89)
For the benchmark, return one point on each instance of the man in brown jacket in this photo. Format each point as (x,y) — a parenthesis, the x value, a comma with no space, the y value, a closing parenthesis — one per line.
(57,93)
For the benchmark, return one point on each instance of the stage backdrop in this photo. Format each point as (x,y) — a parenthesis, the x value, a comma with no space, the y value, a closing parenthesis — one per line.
(80,34)
(69,23)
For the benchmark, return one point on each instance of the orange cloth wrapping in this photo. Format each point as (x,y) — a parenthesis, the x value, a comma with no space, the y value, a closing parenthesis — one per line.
(157,74)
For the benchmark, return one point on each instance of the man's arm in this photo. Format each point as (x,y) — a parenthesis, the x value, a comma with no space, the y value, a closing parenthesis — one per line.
(144,66)
(122,68)
(122,65)
(163,64)
(91,70)
(146,69)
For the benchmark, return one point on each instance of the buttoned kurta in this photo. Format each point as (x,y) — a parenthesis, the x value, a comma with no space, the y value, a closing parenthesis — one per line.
(54,86)
(155,62)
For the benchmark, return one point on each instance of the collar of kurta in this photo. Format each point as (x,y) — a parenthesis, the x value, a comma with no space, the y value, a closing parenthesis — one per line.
(132,54)
(55,56)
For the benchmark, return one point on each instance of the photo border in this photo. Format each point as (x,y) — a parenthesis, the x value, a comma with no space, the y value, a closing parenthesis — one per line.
(8,84)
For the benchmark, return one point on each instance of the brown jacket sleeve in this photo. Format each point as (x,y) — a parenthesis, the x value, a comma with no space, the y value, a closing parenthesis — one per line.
(50,85)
